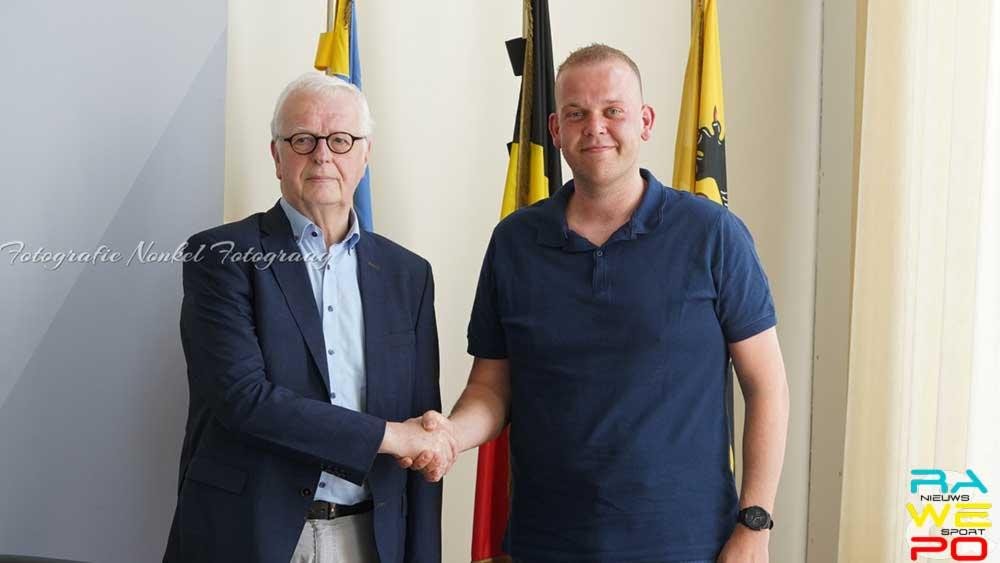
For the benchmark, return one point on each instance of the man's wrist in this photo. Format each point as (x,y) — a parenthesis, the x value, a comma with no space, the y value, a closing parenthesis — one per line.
(388,439)
(461,425)
(743,535)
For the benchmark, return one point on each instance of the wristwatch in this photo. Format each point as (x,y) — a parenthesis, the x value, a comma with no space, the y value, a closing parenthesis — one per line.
(755,518)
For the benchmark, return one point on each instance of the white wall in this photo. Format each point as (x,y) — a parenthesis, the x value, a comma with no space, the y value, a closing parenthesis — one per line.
(443,96)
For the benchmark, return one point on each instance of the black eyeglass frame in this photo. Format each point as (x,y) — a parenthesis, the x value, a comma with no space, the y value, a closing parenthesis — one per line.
(316,139)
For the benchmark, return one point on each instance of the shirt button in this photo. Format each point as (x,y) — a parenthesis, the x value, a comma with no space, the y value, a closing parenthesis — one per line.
(322,485)
(599,253)
(327,266)
(306,492)
(333,395)
(315,234)
(329,307)
(329,351)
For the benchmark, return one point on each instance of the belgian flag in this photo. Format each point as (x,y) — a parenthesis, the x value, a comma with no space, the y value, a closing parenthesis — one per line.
(534,170)
(338,54)
(700,151)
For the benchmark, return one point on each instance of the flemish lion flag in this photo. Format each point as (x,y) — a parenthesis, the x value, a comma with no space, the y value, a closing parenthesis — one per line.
(700,152)
(338,55)
(533,171)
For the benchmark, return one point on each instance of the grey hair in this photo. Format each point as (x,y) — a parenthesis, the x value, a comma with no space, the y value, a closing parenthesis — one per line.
(328,85)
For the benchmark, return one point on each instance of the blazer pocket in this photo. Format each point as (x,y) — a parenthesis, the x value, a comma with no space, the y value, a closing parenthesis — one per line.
(209,472)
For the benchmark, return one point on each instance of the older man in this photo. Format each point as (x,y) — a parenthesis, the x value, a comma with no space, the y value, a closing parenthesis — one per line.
(602,329)
(303,336)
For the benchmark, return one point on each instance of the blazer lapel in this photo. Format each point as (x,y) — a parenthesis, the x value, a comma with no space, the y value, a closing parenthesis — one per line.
(371,283)
(294,282)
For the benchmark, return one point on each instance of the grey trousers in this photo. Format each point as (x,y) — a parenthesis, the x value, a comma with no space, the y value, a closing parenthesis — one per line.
(349,539)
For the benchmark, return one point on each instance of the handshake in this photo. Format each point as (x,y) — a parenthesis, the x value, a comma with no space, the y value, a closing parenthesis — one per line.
(427,444)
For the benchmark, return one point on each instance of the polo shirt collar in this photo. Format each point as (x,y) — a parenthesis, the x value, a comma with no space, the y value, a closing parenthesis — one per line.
(554,231)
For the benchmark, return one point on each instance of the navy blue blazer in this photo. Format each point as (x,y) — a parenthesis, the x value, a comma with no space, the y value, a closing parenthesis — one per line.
(260,425)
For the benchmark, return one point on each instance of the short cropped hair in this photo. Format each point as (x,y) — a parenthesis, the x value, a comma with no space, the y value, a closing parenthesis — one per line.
(599,53)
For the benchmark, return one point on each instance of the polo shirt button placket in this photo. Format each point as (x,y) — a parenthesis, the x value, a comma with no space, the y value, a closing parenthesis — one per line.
(600,275)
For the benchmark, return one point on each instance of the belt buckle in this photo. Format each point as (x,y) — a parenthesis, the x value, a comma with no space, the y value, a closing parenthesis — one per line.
(321,510)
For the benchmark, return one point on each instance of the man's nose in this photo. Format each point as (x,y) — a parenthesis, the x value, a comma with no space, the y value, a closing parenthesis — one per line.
(322,152)
(595,125)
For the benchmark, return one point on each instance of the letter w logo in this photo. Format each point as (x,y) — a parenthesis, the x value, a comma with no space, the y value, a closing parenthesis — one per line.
(928,510)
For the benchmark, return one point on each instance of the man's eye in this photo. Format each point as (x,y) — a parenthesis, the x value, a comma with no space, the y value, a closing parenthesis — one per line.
(615,112)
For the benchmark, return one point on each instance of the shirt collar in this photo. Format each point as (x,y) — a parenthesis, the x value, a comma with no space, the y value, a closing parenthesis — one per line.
(554,231)
(300,223)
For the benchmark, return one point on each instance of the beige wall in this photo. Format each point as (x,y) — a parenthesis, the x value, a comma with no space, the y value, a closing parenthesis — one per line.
(443,97)
(834,253)
(771,66)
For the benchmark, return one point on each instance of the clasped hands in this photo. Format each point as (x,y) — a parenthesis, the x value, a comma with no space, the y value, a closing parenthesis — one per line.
(426,444)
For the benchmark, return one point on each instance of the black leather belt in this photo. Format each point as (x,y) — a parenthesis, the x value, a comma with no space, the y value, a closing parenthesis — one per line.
(322,510)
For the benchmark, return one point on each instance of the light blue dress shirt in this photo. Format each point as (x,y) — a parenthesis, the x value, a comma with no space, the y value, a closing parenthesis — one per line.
(333,274)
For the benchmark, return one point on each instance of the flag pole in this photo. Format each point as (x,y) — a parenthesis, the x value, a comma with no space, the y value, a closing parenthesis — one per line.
(527,93)
(331,18)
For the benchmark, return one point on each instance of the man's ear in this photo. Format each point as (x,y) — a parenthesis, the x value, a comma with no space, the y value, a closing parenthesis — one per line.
(277,159)
(648,117)
(554,130)
(369,144)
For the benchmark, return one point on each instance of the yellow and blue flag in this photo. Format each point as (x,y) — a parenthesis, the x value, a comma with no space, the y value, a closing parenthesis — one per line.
(338,54)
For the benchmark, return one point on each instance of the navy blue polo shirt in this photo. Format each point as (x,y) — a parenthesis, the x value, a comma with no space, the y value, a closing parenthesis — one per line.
(619,433)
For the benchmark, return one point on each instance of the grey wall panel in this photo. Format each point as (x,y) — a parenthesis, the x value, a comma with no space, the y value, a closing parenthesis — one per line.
(87,89)
(117,111)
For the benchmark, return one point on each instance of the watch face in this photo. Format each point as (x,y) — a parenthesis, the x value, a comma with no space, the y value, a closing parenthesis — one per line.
(756,518)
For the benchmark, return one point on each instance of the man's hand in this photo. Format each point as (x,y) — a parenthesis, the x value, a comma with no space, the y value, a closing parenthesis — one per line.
(434,447)
(479,416)
(745,546)
(432,467)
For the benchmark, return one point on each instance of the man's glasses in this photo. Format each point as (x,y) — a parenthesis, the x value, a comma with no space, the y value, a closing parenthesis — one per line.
(305,143)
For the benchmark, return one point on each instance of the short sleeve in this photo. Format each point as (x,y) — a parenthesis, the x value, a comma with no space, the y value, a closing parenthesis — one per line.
(744,305)
(486,335)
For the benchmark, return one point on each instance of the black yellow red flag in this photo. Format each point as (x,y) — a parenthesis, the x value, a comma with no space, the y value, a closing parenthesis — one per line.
(534,170)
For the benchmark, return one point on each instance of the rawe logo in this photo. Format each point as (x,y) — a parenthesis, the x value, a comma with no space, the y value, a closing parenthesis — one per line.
(949,516)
